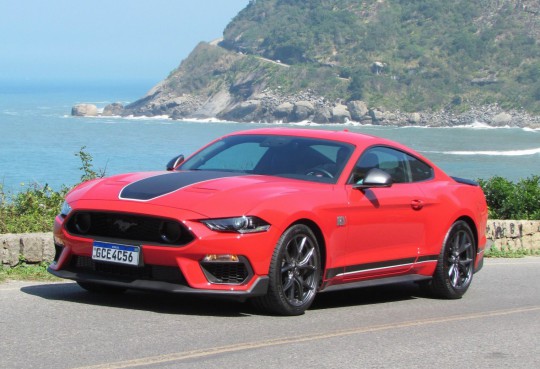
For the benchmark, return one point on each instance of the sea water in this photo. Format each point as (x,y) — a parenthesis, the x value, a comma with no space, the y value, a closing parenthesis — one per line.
(39,138)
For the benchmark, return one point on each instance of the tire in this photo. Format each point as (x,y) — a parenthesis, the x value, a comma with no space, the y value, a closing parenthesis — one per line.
(455,266)
(295,273)
(101,288)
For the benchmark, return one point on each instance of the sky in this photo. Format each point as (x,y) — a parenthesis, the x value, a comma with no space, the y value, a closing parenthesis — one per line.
(123,40)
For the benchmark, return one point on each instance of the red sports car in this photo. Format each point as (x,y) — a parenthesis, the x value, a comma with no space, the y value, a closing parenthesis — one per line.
(276,216)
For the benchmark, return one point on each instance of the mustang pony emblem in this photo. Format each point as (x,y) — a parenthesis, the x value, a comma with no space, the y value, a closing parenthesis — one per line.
(123,226)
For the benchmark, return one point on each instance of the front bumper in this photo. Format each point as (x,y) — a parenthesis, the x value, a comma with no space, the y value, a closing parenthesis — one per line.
(258,288)
(176,269)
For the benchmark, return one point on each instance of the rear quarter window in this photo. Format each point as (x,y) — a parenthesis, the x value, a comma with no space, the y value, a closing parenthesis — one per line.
(420,171)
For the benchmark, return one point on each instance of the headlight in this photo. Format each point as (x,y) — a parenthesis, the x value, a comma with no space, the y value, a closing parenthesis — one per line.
(65,210)
(244,224)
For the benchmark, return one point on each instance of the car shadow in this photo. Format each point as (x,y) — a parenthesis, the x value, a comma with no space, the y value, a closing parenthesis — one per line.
(165,303)
(162,303)
(368,295)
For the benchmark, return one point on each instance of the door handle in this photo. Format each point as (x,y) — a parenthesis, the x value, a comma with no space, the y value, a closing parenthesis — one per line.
(417,204)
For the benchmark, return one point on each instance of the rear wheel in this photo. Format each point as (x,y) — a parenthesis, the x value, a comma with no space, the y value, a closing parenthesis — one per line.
(455,267)
(101,288)
(295,272)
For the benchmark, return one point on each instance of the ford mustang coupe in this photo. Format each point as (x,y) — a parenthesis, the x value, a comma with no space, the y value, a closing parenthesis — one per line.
(276,216)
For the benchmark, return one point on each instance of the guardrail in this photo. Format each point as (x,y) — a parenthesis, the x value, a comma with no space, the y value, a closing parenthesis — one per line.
(38,247)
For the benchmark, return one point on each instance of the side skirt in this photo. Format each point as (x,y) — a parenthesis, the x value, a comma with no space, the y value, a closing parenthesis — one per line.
(376,282)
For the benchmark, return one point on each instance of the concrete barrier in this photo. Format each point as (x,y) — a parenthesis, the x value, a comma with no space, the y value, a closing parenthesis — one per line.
(514,234)
(32,248)
(39,247)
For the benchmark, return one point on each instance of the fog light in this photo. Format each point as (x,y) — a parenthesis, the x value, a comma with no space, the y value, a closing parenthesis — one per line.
(226,258)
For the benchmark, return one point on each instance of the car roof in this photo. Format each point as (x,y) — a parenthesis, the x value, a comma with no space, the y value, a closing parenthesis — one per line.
(358,139)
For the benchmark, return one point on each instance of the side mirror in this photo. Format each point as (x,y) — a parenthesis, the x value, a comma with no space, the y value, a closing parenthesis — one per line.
(375,178)
(175,162)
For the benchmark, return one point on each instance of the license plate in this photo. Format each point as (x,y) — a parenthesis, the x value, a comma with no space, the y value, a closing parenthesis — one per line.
(115,253)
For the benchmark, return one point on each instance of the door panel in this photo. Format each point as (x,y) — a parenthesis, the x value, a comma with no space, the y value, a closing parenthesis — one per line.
(385,230)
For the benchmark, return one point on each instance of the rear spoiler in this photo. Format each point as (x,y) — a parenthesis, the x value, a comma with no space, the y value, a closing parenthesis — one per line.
(465,181)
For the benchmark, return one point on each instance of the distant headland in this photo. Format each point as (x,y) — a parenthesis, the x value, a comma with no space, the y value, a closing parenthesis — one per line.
(423,63)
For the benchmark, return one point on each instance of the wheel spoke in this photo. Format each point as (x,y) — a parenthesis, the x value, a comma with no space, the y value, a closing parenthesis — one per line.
(292,290)
(453,273)
(288,284)
(450,270)
(300,246)
(288,258)
(307,285)
(455,279)
(455,246)
(307,269)
(299,286)
(307,258)
(465,246)
(286,268)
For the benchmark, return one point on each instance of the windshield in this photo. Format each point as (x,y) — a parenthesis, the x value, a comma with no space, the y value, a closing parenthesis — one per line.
(285,156)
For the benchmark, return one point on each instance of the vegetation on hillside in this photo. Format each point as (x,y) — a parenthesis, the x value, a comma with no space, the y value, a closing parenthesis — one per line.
(433,53)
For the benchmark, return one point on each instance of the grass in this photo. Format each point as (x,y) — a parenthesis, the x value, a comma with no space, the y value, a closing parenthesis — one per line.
(27,272)
(496,252)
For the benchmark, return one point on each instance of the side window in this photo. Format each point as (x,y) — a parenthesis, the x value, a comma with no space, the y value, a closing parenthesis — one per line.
(420,171)
(403,168)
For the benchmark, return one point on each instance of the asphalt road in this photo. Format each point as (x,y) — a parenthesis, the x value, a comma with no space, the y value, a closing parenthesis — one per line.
(496,325)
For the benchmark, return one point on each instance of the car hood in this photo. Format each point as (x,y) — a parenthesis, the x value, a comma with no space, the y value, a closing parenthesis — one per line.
(212,194)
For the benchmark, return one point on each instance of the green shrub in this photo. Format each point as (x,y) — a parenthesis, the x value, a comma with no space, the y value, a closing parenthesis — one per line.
(34,208)
(30,210)
(509,200)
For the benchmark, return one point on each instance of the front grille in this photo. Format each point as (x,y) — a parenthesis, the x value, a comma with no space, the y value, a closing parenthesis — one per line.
(223,272)
(128,227)
(126,273)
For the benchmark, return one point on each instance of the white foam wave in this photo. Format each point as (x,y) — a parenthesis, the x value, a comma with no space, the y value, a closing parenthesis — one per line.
(307,123)
(348,123)
(490,153)
(205,120)
(133,117)
(478,125)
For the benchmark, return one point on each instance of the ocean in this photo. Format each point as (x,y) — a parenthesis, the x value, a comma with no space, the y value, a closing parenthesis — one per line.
(39,138)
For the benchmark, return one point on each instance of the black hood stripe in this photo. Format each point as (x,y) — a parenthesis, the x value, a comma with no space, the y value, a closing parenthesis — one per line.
(163,184)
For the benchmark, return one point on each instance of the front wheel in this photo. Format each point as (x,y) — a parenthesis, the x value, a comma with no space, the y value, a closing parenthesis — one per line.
(295,272)
(455,267)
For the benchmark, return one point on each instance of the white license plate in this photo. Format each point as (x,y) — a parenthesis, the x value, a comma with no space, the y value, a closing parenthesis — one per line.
(115,253)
